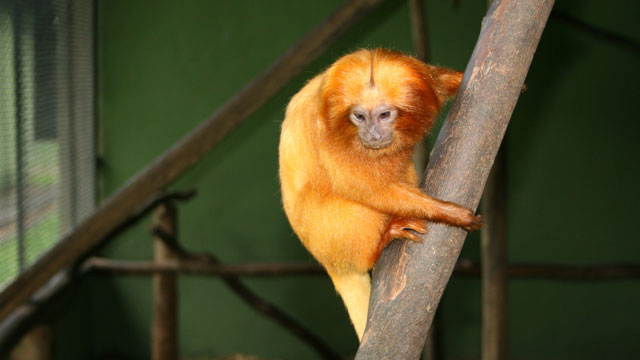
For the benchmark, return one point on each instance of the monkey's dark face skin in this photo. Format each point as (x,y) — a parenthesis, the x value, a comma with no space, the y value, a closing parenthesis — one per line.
(375,126)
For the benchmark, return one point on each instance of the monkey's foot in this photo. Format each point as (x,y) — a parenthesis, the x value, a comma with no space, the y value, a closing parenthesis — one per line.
(401,228)
(410,229)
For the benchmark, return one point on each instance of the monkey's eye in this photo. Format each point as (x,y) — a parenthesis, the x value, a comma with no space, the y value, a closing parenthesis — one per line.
(358,116)
(385,115)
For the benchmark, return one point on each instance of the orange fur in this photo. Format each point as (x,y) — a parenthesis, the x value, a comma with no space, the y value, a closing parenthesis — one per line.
(346,201)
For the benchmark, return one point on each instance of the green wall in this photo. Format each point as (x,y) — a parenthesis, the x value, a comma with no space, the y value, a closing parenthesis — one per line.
(163,66)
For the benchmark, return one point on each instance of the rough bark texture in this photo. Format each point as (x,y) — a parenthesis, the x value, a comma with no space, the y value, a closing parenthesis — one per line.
(181,157)
(409,279)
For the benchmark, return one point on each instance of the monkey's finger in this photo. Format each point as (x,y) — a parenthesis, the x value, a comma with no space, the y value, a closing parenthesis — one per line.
(412,236)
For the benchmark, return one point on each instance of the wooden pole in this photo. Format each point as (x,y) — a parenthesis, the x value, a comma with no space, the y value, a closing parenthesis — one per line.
(494,263)
(421,45)
(181,157)
(419,32)
(164,332)
(409,279)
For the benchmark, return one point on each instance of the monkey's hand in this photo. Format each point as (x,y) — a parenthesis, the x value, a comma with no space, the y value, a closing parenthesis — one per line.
(468,221)
(455,215)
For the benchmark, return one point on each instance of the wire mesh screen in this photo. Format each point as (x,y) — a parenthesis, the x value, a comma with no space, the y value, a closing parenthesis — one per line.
(47,151)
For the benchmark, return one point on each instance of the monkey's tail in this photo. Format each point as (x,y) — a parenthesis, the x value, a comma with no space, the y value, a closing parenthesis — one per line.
(355,289)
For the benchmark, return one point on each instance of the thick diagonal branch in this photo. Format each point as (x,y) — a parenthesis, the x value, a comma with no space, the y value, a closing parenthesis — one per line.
(409,279)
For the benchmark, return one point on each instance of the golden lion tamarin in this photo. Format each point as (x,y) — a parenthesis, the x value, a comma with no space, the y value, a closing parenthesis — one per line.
(348,182)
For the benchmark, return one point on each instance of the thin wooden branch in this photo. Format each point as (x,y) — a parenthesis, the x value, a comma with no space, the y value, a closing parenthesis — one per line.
(463,268)
(264,307)
(181,157)
(248,296)
(12,328)
(271,311)
(409,279)
(603,272)
(156,201)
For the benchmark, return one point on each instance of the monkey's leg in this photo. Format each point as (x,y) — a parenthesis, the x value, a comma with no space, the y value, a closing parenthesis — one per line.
(355,289)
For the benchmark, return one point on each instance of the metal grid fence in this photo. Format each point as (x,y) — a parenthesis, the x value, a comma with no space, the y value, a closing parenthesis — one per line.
(47,137)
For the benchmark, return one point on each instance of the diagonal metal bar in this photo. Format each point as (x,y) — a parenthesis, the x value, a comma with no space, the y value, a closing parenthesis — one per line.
(409,279)
(181,157)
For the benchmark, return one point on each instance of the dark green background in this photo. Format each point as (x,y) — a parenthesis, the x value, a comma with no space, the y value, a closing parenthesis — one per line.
(573,145)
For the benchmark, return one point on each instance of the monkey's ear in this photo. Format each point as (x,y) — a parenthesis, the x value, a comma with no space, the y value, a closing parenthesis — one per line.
(447,81)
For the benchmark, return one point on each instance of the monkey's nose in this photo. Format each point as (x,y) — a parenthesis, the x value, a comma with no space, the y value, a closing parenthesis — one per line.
(375,136)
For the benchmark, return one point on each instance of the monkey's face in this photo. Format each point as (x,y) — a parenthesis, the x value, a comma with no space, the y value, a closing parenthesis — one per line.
(375,126)
(379,101)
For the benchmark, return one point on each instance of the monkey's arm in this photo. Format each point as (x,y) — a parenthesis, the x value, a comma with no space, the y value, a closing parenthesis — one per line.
(406,201)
